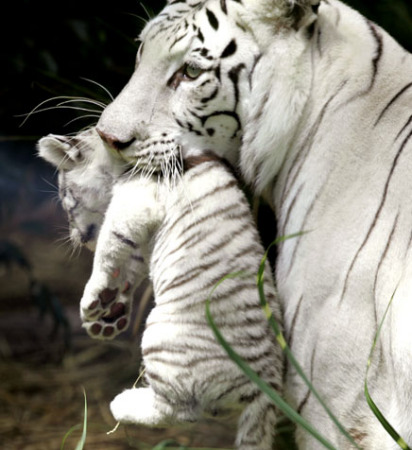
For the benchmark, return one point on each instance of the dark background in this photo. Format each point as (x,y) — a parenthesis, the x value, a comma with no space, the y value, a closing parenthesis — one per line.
(47,47)
(50,49)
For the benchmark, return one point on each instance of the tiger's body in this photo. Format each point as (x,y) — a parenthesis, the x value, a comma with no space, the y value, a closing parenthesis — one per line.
(314,102)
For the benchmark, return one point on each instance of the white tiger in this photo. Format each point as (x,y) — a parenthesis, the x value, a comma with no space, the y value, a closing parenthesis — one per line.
(86,175)
(314,102)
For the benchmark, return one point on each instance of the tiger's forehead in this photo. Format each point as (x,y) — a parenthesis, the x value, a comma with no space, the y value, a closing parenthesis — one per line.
(170,23)
(181,22)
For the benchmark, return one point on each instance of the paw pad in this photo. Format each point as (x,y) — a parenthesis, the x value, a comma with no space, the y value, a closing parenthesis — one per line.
(108,296)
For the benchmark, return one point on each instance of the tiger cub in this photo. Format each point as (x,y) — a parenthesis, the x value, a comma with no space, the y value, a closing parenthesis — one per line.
(193,232)
(86,175)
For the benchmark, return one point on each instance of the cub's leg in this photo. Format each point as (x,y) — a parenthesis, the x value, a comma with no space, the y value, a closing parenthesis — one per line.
(107,302)
(130,220)
(142,406)
(257,424)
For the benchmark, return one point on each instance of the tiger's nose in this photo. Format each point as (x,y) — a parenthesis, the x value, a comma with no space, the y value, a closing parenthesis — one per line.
(113,141)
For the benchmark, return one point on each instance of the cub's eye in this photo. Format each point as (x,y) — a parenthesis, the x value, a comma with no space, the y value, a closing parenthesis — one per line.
(192,72)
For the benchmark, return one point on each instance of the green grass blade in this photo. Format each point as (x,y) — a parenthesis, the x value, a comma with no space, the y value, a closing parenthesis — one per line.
(372,405)
(80,444)
(82,441)
(263,386)
(282,341)
(72,429)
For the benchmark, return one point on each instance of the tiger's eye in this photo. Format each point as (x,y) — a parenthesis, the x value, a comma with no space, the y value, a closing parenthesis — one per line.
(192,72)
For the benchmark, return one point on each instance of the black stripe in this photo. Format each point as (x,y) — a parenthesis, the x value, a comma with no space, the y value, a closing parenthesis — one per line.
(306,398)
(200,36)
(385,251)
(183,35)
(293,323)
(285,220)
(308,142)
(214,23)
(217,73)
(409,121)
(305,219)
(184,278)
(191,363)
(229,50)
(378,55)
(125,240)
(194,204)
(223,6)
(392,101)
(255,63)
(225,241)
(137,258)
(196,237)
(234,78)
(211,96)
(377,215)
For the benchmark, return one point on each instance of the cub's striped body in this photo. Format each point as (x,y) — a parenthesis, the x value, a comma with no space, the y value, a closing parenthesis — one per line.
(192,230)
(193,233)
(314,102)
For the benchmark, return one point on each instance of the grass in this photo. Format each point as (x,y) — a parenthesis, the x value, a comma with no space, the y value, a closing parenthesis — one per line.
(276,399)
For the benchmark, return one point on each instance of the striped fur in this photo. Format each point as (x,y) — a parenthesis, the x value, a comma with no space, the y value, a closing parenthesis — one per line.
(85,178)
(86,175)
(314,102)
(193,232)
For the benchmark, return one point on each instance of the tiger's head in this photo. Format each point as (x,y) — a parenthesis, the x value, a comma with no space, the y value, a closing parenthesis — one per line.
(193,87)
(86,173)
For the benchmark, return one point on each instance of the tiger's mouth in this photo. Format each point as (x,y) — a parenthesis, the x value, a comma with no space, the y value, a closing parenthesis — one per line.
(157,154)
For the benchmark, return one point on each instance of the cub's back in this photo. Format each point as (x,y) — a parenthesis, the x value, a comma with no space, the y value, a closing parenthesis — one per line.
(208,232)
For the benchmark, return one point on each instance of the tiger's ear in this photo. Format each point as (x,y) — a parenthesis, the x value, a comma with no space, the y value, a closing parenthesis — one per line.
(284,13)
(59,151)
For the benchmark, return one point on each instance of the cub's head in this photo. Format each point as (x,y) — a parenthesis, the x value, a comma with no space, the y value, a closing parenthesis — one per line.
(192,85)
(86,176)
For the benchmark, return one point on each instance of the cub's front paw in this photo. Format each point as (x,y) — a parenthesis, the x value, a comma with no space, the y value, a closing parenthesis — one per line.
(111,323)
(105,307)
(96,302)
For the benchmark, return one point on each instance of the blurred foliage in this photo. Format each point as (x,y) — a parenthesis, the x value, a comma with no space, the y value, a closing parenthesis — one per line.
(52,45)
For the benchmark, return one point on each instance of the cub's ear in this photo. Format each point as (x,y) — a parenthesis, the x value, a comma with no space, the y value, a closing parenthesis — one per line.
(289,13)
(61,151)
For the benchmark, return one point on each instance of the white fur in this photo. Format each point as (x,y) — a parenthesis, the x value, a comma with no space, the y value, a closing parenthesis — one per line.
(320,139)
(87,174)
(191,244)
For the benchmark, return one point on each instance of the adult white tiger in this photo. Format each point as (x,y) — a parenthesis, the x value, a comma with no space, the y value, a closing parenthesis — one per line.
(315,102)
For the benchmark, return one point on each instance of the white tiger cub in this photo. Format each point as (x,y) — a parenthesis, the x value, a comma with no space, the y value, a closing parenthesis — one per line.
(314,101)
(193,232)
(86,175)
